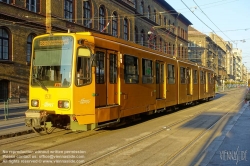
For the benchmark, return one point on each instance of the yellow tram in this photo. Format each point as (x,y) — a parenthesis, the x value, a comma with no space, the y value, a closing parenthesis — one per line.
(82,81)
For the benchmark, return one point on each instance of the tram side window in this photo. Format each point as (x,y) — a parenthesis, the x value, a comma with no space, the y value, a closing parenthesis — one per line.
(112,68)
(210,78)
(162,73)
(131,73)
(83,69)
(171,74)
(147,73)
(100,68)
(159,70)
(195,76)
(183,75)
(202,77)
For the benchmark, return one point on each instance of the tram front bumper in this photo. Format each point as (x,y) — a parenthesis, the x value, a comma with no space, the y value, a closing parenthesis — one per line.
(34,118)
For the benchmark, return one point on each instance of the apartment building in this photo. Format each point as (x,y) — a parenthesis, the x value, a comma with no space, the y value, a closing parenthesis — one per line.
(151,23)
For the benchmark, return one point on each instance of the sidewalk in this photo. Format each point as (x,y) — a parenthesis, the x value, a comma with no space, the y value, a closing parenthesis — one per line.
(232,147)
(14,105)
(14,125)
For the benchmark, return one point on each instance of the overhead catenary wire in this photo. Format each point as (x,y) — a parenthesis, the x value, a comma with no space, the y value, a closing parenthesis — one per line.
(211,20)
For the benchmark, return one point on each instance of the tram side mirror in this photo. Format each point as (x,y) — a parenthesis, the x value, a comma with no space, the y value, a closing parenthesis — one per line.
(84,52)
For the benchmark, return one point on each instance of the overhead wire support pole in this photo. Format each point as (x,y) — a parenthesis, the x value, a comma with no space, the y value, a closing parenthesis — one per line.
(48,16)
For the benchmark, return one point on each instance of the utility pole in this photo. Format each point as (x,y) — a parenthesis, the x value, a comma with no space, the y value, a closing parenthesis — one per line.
(48,16)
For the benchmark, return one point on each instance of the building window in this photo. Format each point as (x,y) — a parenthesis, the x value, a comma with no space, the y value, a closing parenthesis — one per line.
(125,29)
(173,50)
(114,24)
(29,46)
(4,87)
(101,19)
(165,47)
(142,38)
(136,35)
(147,71)
(6,1)
(159,19)
(154,43)
(86,14)
(131,70)
(142,7)
(160,45)
(169,48)
(68,10)
(33,5)
(165,21)
(4,44)
(148,12)
(173,28)
(154,16)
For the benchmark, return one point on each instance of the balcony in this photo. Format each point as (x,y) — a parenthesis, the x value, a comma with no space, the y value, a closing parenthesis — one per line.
(130,2)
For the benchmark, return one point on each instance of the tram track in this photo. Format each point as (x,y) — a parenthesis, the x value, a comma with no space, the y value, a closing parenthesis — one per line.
(63,137)
(167,127)
(50,140)
(195,139)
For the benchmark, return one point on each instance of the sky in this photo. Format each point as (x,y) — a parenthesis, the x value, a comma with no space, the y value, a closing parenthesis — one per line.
(229,19)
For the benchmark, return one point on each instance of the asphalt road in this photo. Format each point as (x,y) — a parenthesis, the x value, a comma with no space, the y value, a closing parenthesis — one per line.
(186,137)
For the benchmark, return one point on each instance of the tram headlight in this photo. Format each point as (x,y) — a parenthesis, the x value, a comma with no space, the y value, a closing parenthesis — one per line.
(34,103)
(63,104)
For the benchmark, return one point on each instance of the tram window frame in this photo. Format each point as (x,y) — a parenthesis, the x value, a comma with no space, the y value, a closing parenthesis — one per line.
(171,74)
(202,76)
(83,69)
(112,68)
(159,67)
(209,77)
(162,73)
(100,67)
(183,72)
(131,69)
(195,76)
(147,71)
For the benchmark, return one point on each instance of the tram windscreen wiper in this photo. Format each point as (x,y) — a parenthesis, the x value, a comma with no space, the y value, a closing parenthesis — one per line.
(39,83)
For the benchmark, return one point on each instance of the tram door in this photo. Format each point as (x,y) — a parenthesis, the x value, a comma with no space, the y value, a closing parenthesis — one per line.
(100,79)
(112,70)
(106,78)
(189,82)
(159,69)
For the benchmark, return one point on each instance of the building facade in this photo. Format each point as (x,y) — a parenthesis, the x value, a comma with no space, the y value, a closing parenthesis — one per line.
(151,23)
(214,52)
(238,64)
(203,50)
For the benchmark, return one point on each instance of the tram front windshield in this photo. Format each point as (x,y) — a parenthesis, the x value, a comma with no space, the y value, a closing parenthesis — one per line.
(52,62)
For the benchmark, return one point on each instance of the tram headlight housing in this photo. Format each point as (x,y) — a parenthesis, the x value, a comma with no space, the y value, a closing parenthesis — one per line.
(63,104)
(35,103)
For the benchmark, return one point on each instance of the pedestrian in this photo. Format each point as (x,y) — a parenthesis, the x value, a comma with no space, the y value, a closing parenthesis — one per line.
(247,96)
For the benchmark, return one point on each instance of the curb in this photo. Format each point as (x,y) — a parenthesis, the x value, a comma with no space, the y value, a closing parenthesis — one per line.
(19,133)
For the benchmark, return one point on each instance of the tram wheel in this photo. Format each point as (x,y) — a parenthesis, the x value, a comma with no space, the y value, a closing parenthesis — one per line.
(39,130)
(50,130)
